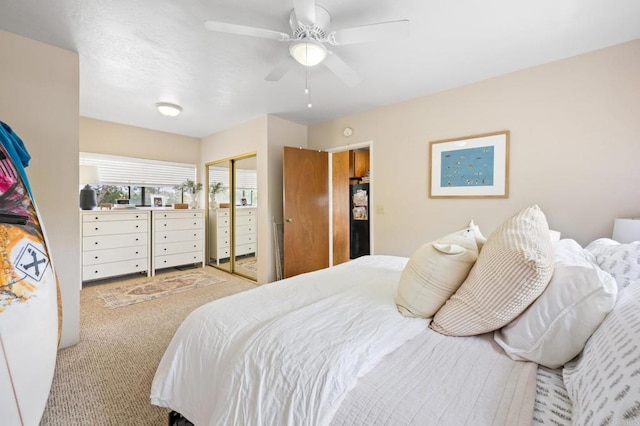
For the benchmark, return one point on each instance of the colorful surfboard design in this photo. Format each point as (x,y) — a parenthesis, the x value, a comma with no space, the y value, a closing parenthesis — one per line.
(28,302)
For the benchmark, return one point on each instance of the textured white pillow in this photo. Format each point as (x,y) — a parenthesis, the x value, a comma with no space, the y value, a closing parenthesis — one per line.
(434,273)
(555,328)
(604,382)
(513,269)
(622,261)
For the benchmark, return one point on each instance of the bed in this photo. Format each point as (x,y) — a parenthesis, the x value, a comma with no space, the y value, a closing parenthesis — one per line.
(363,343)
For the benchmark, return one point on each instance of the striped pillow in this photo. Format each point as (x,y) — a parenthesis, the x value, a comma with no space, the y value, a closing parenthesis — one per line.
(513,269)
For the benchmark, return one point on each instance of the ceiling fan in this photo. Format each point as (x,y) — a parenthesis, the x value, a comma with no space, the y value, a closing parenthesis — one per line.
(310,32)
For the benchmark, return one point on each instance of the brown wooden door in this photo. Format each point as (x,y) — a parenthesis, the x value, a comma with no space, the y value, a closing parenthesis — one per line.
(341,206)
(306,210)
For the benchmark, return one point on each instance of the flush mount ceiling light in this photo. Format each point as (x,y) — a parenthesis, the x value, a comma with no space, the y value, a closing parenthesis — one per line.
(168,109)
(308,52)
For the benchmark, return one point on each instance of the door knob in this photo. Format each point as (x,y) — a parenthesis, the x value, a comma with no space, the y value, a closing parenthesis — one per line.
(289,219)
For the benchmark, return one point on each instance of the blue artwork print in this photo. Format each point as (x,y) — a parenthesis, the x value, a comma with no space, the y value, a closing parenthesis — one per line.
(467,167)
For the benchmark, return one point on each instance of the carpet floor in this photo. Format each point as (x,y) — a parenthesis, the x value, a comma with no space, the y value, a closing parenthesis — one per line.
(106,378)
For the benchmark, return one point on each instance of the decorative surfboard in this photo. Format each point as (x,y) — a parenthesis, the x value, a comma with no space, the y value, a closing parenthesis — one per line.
(29,329)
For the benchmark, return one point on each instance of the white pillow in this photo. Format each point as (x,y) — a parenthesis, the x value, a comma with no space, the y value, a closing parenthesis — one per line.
(604,382)
(555,328)
(513,269)
(434,273)
(620,260)
(480,239)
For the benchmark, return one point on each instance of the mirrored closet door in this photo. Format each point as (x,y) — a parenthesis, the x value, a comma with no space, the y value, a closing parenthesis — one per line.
(232,236)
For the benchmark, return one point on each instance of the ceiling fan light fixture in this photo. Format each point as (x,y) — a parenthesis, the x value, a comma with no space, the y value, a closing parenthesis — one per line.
(308,52)
(168,109)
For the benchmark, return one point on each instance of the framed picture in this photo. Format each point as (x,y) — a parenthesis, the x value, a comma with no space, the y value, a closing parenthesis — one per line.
(470,167)
(158,201)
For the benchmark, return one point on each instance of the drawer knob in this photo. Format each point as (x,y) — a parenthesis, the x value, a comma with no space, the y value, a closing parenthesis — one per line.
(165,224)
(96,229)
(137,239)
(95,272)
(96,217)
(165,261)
(165,237)
(165,249)
(137,226)
(96,243)
(136,252)
(95,257)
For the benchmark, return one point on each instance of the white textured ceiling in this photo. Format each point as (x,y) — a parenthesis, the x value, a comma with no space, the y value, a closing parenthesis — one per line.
(138,52)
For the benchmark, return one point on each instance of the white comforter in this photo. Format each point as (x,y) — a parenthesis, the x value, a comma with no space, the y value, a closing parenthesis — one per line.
(288,352)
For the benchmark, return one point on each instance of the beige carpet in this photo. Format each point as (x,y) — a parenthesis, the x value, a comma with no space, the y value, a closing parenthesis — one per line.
(106,378)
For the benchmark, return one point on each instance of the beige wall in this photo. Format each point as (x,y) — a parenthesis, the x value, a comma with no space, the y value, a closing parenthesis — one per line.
(41,104)
(119,139)
(574,149)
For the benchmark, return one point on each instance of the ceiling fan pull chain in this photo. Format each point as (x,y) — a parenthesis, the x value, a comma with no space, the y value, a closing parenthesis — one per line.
(307,87)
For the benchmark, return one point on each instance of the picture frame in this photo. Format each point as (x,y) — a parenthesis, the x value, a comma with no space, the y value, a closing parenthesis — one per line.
(474,166)
(158,201)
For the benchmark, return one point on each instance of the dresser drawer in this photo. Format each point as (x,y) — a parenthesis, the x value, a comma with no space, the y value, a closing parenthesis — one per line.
(175,236)
(95,257)
(178,215)
(114,227)
(245,220)
(223,242)
(114,216)
(245,230)
(178,247)
(179,224)
(223,253)
(94,272)
(222,213)
(223,222)
(245,239)
(245,249)
(113,241)
(177,259)
(246,212)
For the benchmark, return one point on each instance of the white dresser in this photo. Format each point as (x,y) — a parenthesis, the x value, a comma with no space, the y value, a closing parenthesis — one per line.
(220,241)
(115,243)
(178,238)
(245,232)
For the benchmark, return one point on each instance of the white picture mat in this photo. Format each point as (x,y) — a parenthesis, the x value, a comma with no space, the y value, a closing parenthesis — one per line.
(498,141)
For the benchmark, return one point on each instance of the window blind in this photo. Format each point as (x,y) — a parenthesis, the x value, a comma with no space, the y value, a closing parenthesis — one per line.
(246,179)
(116,170)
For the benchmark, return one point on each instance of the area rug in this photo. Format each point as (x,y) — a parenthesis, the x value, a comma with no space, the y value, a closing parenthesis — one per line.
(250,265)
(157,287)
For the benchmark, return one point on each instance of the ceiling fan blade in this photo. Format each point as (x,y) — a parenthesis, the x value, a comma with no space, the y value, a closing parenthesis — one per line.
(367,33)
(305,11)
(341,69)
(224,27)
(281,69)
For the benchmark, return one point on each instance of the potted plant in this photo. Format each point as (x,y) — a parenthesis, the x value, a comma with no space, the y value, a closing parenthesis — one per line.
(192,188)
(215,188)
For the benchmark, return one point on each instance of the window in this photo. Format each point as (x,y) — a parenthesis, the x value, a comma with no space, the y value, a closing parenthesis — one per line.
(137,179)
